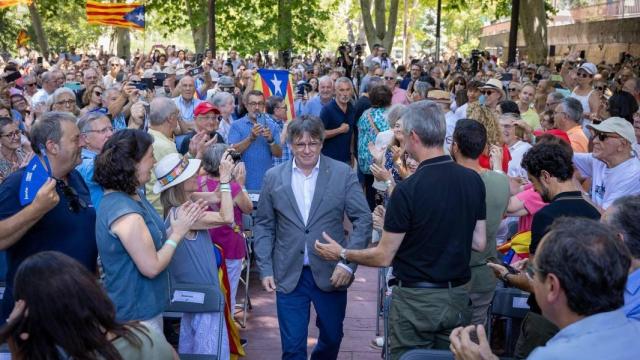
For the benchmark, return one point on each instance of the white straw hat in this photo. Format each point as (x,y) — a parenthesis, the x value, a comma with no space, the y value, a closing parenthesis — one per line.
(172,170)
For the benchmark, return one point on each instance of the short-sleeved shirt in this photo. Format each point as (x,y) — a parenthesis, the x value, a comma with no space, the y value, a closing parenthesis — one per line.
(531,118)
(257,157)
(60,229)
(367,134)
(339,146)
(517,151)
(229,237)
(135,296)
(86,169)
(186,107)
(608,184)
(162,146)
(194,261)
(579,141)
(532,202)
(437,208)
(566,204)
(496,199)
(485,160)
(313,106)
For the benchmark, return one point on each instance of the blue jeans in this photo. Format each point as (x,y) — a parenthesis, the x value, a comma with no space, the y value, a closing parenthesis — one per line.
(293,318)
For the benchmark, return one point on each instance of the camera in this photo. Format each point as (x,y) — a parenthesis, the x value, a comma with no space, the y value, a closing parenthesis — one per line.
(235,156)
(140,85)
(358,49)
(475,57)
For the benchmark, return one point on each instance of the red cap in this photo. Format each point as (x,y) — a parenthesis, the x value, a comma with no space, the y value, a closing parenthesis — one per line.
(555,132)
(205,107)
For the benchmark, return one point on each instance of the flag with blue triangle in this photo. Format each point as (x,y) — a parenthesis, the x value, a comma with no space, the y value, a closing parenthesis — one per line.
(136,16)
(278,83)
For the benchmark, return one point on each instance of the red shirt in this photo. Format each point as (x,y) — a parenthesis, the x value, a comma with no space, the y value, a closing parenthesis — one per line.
(506,157)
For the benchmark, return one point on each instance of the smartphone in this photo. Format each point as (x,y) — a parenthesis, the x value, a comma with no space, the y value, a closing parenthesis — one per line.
(39,60)
(13,76)
(510,268)
(140,85)
(300,90)
(507,77)
(158,79)
(73,85)
(557,78)
(148,82)
(196,71)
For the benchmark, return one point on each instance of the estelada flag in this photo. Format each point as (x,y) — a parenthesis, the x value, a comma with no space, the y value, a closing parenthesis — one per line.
(116,14)
(9,3)
(235,347)
(23,38)
(278,83)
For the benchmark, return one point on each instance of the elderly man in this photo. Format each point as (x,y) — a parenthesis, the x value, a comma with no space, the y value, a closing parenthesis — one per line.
(325,94)
(612,167)
(338,117)
(205,132)
(428,246)
(30,87)
(567,116)
(95,130)
(163,121)
(302,199)
(118,104)
(492,93)
(115,66)
(391,81)
(50,83)
(257,138)
(186,103)
(61,216)
(89,77)
(553,99)
(583,297)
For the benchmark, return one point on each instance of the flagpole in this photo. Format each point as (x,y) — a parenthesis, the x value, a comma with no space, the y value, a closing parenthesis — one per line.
(144,36)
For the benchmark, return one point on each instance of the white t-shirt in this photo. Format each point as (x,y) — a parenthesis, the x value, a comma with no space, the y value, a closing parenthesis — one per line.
(450,120)
(608,184)
(41,96)
(461,112)
(517,151)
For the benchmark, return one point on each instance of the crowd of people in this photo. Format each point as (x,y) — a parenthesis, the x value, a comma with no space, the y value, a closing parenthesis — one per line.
(120,177)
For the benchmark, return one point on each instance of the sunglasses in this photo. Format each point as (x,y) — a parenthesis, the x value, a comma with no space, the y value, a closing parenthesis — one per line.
(114,65)
(584,75)
(75,202)
(600,88)
(461,83)
(487,92)
(99,93)
(30,84)
(389,78)
(513,89)
(603,136)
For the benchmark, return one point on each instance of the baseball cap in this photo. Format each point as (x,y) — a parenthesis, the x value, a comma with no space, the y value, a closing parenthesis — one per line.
(617,125)
(555,132)
(205,107)
(589,68)
(226,81)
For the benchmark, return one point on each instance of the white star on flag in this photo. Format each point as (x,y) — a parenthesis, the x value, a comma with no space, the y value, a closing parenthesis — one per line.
(140,17)
(276,83)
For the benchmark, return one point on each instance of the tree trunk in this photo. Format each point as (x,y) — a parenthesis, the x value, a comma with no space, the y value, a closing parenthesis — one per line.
(378,33)
(534,28)
(198,31)
(123,48)
(285,25)
(412,21)
(513,31)
(212,26)
(41,37)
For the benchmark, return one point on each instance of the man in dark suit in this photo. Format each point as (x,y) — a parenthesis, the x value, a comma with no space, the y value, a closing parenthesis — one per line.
(300,200)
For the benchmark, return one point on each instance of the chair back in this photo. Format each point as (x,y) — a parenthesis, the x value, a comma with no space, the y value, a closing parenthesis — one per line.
(510,302)
(193,298)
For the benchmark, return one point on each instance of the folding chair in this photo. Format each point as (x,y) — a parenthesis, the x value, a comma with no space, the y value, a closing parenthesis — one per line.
(382,289)
(511,304)
(247,234)
(427,354)
(192,298)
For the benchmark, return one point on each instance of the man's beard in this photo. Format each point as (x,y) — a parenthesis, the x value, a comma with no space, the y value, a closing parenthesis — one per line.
(544,194)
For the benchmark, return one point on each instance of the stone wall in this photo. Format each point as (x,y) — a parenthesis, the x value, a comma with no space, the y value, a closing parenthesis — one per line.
(601,40)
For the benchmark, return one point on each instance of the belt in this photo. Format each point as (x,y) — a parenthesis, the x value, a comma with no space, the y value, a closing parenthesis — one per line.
(426,284)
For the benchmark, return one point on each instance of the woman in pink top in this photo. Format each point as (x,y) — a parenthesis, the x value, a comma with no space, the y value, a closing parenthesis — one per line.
(228,237)
(525,204)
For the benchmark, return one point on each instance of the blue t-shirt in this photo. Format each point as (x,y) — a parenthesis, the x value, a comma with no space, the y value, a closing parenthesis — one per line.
(86,169)
(135,296)
(338,147)
(257,157)
(60,229)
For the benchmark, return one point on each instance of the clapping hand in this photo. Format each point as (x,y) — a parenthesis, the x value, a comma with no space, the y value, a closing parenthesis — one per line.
(495,154)
(183,218)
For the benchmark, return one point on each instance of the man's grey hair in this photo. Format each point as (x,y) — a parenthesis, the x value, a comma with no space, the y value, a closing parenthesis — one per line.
(573,108)
(624,219)
(422,88)
(324,79)
(305,124)
(343,80)
(425,119)
(212,157)
(394,113)
(85,121)
(56,95)
(160,110)
(107,92)
(511,116)
(373,82)
(221,98)
(556,96)
(47,76)
(48,127)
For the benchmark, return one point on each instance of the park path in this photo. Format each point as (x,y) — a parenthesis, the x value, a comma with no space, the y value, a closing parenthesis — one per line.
(359,325)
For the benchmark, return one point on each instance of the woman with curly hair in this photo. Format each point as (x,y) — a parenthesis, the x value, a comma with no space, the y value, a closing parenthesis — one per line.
(134,247)
(62,312)
(488,118)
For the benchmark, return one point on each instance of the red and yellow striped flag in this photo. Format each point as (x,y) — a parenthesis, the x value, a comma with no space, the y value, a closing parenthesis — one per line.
(114,14)
(9,3)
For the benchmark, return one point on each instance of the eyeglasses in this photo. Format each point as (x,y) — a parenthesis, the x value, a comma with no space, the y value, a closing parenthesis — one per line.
(602,136)
(75,202)
(106,130)
(99,93)
(584,75)
(12,134)
(461,83)
(312,146)
(261,103)
(30,84)
(513,89)
(531,271)
(282,107)
(389,78)
(600,88)
(114,65)
(66,102)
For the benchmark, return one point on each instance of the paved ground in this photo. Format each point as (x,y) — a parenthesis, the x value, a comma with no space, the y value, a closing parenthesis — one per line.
(359,325)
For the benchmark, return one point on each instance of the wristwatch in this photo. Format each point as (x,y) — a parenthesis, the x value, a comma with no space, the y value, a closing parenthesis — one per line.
(343,254)
(505,279)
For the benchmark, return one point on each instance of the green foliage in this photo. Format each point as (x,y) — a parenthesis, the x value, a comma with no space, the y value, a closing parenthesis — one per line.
(10,22)
(65,24)
(247,26)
